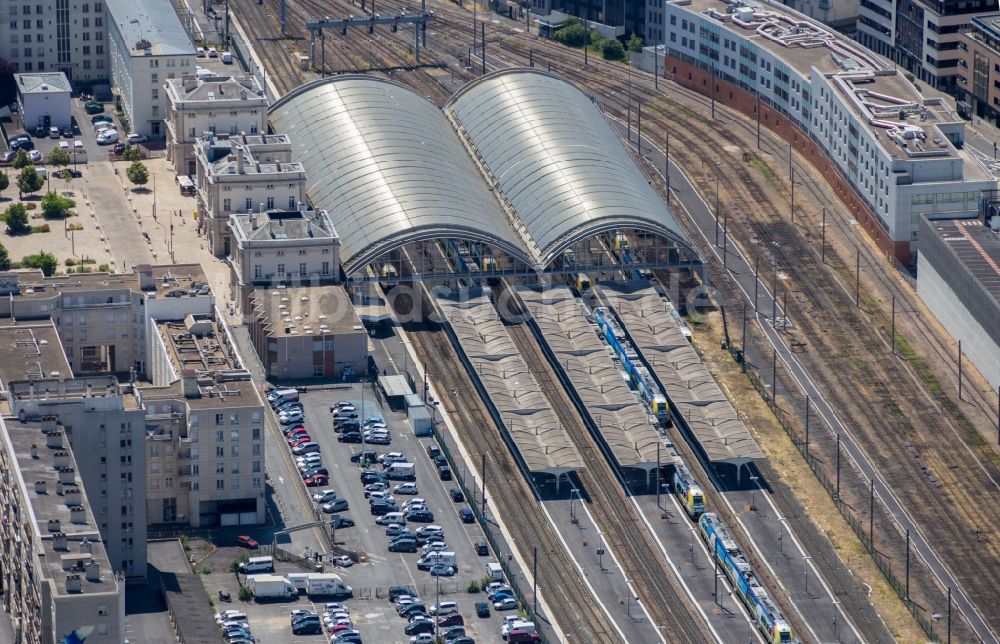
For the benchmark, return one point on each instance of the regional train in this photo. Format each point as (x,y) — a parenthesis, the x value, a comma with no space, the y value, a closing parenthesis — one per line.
(649,391)
(688,490)
(766,615)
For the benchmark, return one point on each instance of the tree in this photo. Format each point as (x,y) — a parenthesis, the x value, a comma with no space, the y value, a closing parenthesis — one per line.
(132,153)
(137,173)
(59,157)
(21,159)
(55,206)
(17,219)
(612,49)
(572,34)
(634,43)
(4,258)
(43,260)
(4,181)
(30,181)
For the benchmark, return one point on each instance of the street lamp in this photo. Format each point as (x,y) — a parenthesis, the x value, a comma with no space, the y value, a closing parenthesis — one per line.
(753,493)
(805,571)
(437,603)
(781,532)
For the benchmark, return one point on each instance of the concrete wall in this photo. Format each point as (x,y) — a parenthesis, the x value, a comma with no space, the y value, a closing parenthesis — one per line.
(35,106)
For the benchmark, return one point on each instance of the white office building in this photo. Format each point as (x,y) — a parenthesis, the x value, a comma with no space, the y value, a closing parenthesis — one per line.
(56,36)
(897,153)
(147,47)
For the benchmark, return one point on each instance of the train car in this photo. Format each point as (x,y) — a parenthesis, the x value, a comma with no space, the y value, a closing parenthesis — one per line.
(621,241)
(489,264)
(582,283)
(770,620)
(641,380)
(688,490)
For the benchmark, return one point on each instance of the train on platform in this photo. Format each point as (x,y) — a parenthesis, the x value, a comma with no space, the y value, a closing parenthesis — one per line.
(654,399)
(766,615)
(689,491)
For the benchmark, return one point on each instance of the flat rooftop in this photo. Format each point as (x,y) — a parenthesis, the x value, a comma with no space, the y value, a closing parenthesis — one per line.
(50,504)
(150,27)
(178,277)
(977,248)
(308,310)
(233,156)
(31,351)
(215,88)
(275,225)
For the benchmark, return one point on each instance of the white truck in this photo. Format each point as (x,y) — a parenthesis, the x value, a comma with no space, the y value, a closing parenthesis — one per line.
(439,558)
(266,587)
(401,472)
(327,584)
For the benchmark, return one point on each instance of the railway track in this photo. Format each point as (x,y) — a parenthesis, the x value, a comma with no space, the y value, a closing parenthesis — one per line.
(613,511)
(576,610)
(918,420)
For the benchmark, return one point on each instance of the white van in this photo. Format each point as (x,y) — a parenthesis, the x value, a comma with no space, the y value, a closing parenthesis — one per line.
(256,565)
(390,518)
(281,396)
(494,571)
(226,58)
(432,559)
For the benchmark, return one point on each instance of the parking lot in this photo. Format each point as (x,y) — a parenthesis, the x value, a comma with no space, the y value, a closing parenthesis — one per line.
(371,612)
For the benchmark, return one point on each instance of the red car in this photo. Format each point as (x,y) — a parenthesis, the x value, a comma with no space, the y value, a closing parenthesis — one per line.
(316,480)
(294,435)
(295,441)
(298,429)
(243,541)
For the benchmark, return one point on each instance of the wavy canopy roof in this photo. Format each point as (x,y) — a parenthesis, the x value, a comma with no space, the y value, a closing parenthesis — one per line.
(554,156)
(389,168)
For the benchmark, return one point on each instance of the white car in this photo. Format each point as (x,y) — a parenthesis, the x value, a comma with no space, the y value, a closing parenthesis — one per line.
(309,458)
(413,503)
(213,52)
(107,137)
(510,623)
(381,496)
(134,137)
(390,457)
(35,155)
(344,561)
(423,638)
(324,496)
(100,126)
(333,607)
(405,488)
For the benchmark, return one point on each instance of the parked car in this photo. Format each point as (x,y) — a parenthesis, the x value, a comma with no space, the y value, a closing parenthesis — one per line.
(35,156)
(107,138)
(482,609)
(403,543)
(422,626)
(456,494)
(93,108)
(324,496)
(316,480)
(344,561)
(336,505)
(134,137)
(406,489)
(22,144)
(244,541)
(420,516)
(381,496)
(349,437)
(101,117)
(433,450)
(452,633)
(365,457)
(414,608)
(444,472)
(378,508)
(119,148)
(313,471)
(396,591)
(396,530)
(306,448)
(343,522)
(379,439)
(377,486)
(8,156)
(451,619)
(481,548)
(505,603)
(466,516)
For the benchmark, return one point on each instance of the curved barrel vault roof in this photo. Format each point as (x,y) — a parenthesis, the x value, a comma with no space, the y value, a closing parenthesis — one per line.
(388,167)
(556,159)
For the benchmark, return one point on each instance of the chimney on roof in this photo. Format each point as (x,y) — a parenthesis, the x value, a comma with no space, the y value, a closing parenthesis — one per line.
(53,525)
(73,496)
(59,541)
(61,459)
(49,423)
(73,584)
(54,438)
(93,571)
(239,162)
(34,451)
(253,221)
(59,489)
(145,273)
(41,487)
(263,137)
(77,514)
(67,475)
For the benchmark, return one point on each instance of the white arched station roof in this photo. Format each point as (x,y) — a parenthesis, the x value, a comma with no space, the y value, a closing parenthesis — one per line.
(557,161)
(389,168)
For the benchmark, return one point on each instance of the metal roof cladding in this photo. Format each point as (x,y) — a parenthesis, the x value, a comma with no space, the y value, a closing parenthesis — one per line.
(550,150)
(391,168)
(388,167)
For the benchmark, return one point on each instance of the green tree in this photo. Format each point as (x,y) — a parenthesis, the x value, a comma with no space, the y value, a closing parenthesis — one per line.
(43,260)
(4,258)
(59,157)
(17,219)
(21,160)
(30,181)
(634,43)
(4,181)
(572,34)
(611,49)
(132,153)
(55,206)
(137,173)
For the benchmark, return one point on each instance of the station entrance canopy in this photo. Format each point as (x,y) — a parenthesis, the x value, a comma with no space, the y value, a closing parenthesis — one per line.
(519,175)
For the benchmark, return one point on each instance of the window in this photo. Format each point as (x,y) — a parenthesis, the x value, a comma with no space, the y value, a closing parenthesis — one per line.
(220,468)
(98,22)
(256,466)
(256,449)
(281,270)
(302,268)
(326,268)
(85,22)
(220,451)
(168,482)
(256,482)
(258,271)
(256,433)
(291,202)
(317,370)
(249,202)
(234,450)
(219,419)
(220,484)
(227,204)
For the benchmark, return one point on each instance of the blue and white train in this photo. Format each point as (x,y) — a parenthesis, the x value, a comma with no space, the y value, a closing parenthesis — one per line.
(643,382)
(765,613)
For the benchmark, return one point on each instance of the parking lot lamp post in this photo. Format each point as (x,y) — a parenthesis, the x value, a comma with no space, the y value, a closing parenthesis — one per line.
(437,602)
(361,415)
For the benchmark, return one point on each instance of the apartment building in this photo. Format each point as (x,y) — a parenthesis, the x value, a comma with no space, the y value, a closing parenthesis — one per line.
(923,36)
(56,579)
(215,104)
(308,332)
(891,153)
(60,36)
(282,247)
(147,47)
(244,174)
(205,428)
(980,68)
